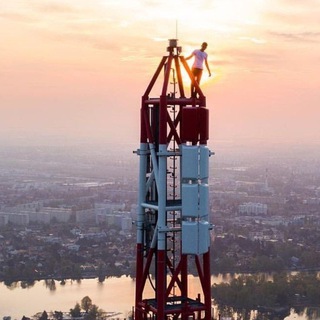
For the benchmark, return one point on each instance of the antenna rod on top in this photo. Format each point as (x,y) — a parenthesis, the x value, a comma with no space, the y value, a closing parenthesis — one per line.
(176,28)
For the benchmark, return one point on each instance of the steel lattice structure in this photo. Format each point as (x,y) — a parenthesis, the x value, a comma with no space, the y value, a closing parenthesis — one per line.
(173,229)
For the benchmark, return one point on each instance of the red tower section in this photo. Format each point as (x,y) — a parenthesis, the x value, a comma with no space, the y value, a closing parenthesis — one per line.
(173,230)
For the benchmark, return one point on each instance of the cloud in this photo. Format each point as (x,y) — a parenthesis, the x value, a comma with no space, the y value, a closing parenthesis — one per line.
(294,15)
(17,17)
(253,40)
(294,19)
(56,8)
(300,4)
(45,14)
(307,36)
(250,56)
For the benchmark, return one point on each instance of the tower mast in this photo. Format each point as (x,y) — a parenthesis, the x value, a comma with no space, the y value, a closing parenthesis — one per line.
(173,230)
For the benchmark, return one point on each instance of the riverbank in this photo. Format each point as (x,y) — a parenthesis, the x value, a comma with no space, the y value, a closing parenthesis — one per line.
(283,293)
(101,278)
(112,295)
(63,277)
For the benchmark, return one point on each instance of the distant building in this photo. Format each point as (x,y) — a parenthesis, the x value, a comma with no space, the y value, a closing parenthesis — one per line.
(51,239)
(273,221)
(40,217)
(253,209)
(4,219)
(72,247)
(108,208)
(126,224)
(47,214)
(83,216)
(120,219)
(312,201)
(60,214)
(35,212)
(21,219)
(94,236)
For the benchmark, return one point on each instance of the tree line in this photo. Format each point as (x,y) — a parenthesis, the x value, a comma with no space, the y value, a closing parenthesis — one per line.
(257,292)
(85,310)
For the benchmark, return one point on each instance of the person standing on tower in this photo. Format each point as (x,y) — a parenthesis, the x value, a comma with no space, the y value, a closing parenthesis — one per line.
(200,57)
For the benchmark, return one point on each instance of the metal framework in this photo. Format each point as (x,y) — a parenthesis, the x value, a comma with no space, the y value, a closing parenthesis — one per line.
(172,222)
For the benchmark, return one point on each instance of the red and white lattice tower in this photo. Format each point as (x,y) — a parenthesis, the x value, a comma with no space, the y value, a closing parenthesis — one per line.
(173,229)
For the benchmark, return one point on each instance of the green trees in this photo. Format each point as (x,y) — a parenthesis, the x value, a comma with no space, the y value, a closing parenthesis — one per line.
(86,303)
(44,315)
(91,310)
(58,315)
(298,251)
(94,312)
(251,292)
(76,311)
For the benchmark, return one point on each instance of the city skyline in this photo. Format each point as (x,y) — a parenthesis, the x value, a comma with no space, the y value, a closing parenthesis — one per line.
(78,70)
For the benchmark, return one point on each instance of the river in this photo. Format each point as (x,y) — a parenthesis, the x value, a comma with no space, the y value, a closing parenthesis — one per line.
(112,295)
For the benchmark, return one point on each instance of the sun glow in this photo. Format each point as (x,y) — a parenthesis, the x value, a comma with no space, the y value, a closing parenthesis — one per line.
(104,52)
(205,80)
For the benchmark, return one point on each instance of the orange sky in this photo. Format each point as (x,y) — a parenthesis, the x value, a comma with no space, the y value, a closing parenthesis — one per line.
(78,68)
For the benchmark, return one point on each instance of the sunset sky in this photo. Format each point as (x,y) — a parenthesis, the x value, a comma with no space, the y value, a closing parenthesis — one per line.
(77,69)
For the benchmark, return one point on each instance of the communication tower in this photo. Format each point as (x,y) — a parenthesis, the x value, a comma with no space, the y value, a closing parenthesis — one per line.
(173,229)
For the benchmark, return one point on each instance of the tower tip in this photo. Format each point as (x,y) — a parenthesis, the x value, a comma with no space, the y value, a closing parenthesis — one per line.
(173,44)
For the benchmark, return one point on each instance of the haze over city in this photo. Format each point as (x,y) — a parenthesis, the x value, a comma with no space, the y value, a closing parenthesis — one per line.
(77,70)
